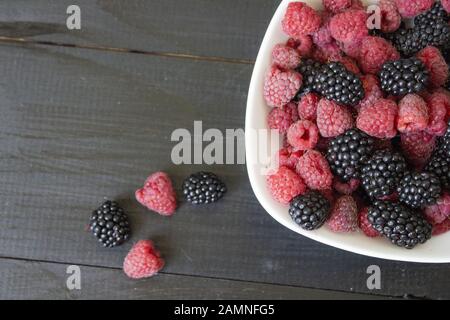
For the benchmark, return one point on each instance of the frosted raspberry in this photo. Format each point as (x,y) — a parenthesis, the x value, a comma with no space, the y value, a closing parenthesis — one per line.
(315,170)
(375,52)
(446,5)
(323,35)
(285,184)
(417,147)
(357,5)
(435,64)
(142,261)
(280,87)
(441,228)
(333,119)
(378,119)
(307,107)
(438,105)
(282,118)
(346,188)
(352,49)
(327,52)
(303,45)
(344,217)
(289,158)
(365,225)
(440,211)
(336,6)
(349,64)
(303,135)
(349,26)
(390,17)
(412,8)
(158,194)
(285,57)
(390,197)
(372,90)
(300,19)
(412,114)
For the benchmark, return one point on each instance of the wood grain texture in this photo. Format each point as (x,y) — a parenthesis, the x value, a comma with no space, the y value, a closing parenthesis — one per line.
(81,125)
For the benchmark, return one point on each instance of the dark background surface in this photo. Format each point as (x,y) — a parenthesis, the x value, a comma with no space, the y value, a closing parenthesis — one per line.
(88,114)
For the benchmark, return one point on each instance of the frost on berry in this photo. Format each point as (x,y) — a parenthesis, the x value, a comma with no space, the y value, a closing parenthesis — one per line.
(315,171)
(440,211)
(378,119)
(412,114)
(376,51)
(365,225)
(303,135)
(307,106)
(435,64)
(300,19)
(285,57)
(412,8)
(438,107)
(285,184)
(390,17)
(336,6)
(333,119)
(280,87)
(417,147)
(158,194)
(143,260)
(372,90)
(344,217)
(282,118)
(349,26)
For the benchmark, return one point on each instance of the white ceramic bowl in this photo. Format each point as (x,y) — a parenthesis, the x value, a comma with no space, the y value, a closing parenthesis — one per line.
(436,250)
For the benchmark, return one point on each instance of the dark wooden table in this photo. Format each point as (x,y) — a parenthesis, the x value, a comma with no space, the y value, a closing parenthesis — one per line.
(88,114)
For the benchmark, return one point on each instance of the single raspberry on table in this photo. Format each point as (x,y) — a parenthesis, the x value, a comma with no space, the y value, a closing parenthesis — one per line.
(285,184)
(349,26)
(303,44)
(346,188)
(315,170)
(372,90)
(376,51)
(435,64)
(412,8)
(158,194)
(390,17)
(365,225)
(307,106)
(143,260)
(417,147)
(378,119)
(288,158)
(285,57)
(344,217)
(333,119)
(336,6)
(440,211)
(412,114)
(303,135)
(438,105)
(280,87)
(300,19)
(282,118)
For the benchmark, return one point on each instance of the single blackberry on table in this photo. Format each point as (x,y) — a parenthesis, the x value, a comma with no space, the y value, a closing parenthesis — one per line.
(403,226)
(109,223)
(203,188)
(335,82)
(308,69)
(382,173)
(310,210)
(418,190)
(347,152)
(403,76)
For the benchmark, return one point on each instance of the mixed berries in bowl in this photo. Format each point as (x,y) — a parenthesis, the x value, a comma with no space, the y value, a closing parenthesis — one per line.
(362,112)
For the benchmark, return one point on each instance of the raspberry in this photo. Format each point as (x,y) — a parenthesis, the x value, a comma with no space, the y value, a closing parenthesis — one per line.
(435,64)
(357,5)
(288,158)
(346,188)
(365,225)
(333,119)
(378,119)
(157,194)
(446,5)
(375,52)
(336,6)
(390,17)
(393,197)
(323,35)
(349,26)
(438,105)
(417,147)
(303,135)
(303,45)
(351,49)
(300,19)
(307,107)
(440,211)
(344,217)
(372,90)
(411,8)
(143,260)
(412,114)
(315,170)
(349,64)
(327,52)
(285,184)
(280,87)
(441,228)
(285,57)
(282,118)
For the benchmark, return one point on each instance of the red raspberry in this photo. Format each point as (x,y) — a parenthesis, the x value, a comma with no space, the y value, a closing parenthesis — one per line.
(440,211)
(282,118)
(336,6)
(376,51)
(435,64)
(357,5)
(303,45)
(307,107)
(378,119)
(349,26)
(285,57)
(412,114)
(323,35)
(289,158)
(333,119)
(438,104)
(280,87)
(441,228)
(327,52)
(390,17)
(143,260)
(391,197)
(315,170)
(364,224)
(157,194)
(344,217)
(349,64)
(285,184)
(372,90)
(346,188)
(300,19)
(352,49)
(412,8)
(417,147)
(303,135)
(446,5)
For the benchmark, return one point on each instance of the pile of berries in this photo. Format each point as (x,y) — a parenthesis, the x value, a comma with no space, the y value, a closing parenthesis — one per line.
(365,119)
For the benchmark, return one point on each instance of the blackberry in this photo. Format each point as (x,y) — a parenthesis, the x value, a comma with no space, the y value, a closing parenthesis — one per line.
(335,82)
(444,143)
(381,174)
(440,166)
(437,12)
(347,152)
(109,223)
(308,69)
(419,190)
(403,76)
(404,227)
(310,211)
(203,188)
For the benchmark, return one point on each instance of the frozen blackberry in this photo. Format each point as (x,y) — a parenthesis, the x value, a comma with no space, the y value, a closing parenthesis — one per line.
(444,143)
(440,166)
(403,76)
(347,152)
(403,226)
(335,82)
(203,188)
(437,12)
(109,223)
(310,210)
(308,69)
(419,190)
(381,174)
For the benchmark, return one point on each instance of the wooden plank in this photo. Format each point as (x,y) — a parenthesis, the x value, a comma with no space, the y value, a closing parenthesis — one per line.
(81,125)
(222,28)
